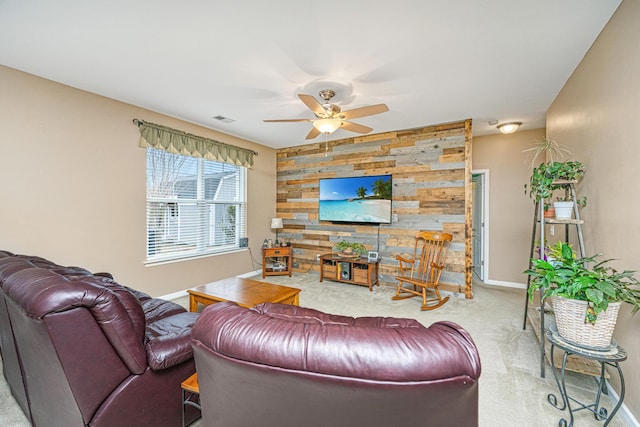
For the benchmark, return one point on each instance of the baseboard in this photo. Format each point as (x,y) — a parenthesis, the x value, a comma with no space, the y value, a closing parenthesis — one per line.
(251,273)
(175,295)
(624,409)
(505,284)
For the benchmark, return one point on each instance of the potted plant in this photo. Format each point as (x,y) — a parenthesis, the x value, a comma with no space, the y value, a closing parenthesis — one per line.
(548,148)
(349,249)
(544,178)
(585,300)
(563,206)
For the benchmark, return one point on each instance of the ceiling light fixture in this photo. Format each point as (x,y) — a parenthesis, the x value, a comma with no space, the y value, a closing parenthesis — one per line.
(327,126)
(510,127)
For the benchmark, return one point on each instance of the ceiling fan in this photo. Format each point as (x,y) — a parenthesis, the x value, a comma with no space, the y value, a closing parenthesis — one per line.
(329,116)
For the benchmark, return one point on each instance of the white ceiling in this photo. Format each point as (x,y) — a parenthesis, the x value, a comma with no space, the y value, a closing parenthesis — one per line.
(430,61)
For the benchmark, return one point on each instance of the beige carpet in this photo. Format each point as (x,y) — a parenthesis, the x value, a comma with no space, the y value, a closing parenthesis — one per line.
(511,390)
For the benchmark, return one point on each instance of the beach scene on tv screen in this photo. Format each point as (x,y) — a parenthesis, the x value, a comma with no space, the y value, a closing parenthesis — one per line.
(356,199)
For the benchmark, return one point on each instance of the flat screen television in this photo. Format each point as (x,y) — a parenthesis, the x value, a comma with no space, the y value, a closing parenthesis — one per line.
(358,199)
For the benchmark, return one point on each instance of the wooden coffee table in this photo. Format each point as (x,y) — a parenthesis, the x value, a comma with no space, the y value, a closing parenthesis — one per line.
(244,292)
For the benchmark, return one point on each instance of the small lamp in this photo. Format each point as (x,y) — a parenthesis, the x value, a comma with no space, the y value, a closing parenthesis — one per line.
(276,224)
(510,127)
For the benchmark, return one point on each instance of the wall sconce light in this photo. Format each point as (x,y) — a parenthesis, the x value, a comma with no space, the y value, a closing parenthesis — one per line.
(510,127)
(276,224)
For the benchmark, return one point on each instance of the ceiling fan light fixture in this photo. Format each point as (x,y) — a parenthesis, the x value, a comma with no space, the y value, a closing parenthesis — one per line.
(510,127)
(327,126)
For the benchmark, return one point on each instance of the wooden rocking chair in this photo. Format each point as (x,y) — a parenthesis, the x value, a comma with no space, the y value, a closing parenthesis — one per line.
(423,271)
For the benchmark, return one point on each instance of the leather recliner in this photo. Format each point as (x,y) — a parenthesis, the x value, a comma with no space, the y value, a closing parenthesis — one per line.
(281,365)
(80,349)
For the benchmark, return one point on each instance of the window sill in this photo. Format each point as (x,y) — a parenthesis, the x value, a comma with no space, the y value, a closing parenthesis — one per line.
(154,263)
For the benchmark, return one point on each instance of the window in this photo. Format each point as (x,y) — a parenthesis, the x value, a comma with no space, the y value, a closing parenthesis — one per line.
(195,206)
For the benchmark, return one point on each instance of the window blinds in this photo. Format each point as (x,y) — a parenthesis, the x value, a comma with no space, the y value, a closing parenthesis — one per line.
(195,206)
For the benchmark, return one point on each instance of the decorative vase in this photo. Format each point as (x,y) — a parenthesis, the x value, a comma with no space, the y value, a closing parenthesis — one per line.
(564,210)
(570,320)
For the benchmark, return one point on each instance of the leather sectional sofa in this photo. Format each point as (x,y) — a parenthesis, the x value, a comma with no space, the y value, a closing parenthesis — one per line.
(281,365)
(80,349)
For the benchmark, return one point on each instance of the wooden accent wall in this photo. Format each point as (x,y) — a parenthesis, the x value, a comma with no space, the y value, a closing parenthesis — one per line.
(431,170)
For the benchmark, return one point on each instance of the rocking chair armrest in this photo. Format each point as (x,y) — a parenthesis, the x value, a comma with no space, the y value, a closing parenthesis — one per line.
(403,259)
(405,267)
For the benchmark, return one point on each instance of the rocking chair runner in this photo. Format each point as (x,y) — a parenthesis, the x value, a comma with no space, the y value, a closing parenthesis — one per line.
(423,271)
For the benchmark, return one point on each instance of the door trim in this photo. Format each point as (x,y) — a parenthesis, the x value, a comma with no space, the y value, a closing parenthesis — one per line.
(484,177)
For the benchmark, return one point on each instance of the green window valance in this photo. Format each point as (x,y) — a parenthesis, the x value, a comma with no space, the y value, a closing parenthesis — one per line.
(178,142)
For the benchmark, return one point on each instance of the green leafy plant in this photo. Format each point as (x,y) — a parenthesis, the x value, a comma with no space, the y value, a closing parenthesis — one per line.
(567,276)
(549,148)
(581,202)
(541,182)
(344,246)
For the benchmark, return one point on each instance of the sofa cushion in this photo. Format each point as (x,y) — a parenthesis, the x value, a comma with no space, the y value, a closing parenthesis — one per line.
(168,340)
(312,316)
(156,309)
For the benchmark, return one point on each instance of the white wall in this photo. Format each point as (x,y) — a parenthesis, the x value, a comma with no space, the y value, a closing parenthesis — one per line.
(73,185)
(510,209)
(596,115)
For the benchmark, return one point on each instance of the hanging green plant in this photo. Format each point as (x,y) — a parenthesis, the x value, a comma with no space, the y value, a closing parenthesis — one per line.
(541,183)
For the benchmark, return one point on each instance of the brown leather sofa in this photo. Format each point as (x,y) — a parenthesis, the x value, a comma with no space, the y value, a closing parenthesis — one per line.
(280,365)
(80,349)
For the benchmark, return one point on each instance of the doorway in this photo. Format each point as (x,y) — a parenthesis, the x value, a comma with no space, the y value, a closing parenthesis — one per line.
(480,223)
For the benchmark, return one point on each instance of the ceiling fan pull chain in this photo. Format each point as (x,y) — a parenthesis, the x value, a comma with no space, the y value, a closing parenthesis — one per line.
(326,144)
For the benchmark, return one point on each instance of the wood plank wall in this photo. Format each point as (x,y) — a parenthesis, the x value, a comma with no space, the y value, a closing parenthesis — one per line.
(431,170)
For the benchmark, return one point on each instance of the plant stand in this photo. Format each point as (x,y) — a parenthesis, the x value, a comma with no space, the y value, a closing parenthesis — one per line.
(611,357)
(539,222)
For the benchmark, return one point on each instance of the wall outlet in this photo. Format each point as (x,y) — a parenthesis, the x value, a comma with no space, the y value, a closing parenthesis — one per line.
(317,257)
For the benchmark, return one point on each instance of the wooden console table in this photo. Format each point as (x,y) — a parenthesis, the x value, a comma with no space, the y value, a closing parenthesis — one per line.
(357,271)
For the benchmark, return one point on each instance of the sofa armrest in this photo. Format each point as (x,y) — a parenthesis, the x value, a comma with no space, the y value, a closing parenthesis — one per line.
(156,309)
(168,340)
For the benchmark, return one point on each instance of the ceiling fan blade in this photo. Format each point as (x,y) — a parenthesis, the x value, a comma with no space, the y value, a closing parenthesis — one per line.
(312,103)
(364,111)
(354,127)
(288,120)
(314,133)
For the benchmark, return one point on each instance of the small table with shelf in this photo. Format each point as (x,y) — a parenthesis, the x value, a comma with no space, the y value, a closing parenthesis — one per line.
(281,267)
(357,271)
(611,357)
(190,395)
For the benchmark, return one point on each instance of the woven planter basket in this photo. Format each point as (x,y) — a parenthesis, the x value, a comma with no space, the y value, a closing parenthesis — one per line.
(570,320)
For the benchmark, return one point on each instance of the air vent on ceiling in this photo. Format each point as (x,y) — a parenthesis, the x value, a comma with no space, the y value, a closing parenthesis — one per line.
(223,119)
